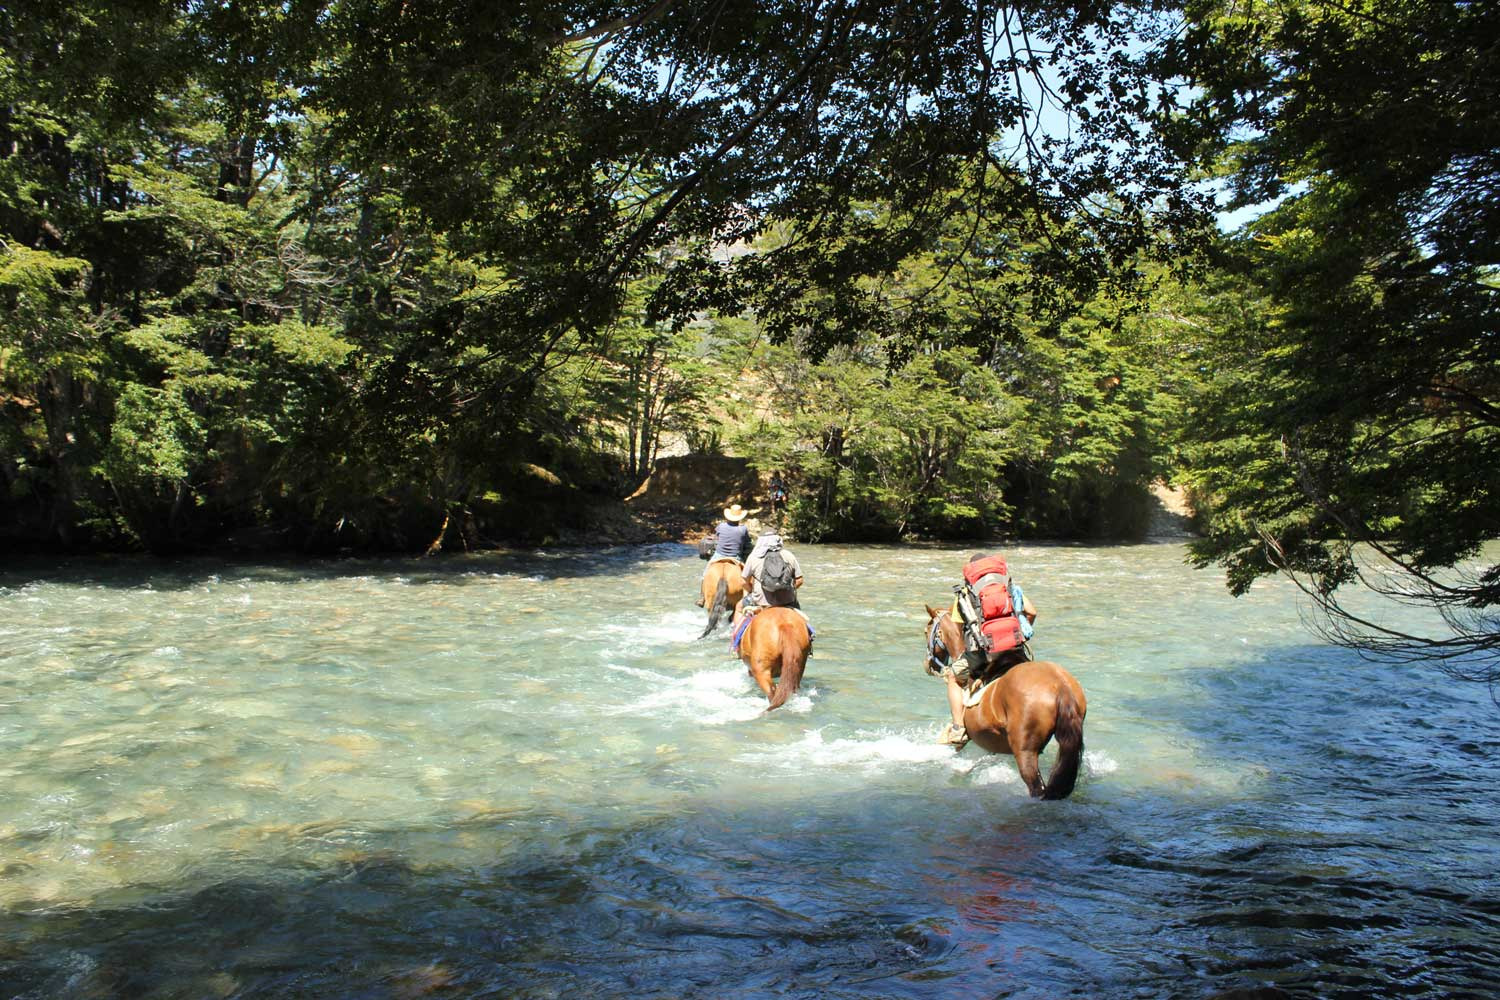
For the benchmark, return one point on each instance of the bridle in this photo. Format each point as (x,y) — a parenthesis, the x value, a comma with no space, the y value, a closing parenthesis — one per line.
(937,651)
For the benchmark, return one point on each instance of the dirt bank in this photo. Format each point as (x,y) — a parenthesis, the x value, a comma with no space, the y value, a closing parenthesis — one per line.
(1171,514)
(685,495)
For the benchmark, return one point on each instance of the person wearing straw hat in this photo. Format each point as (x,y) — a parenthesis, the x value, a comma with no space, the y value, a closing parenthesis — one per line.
(732,539)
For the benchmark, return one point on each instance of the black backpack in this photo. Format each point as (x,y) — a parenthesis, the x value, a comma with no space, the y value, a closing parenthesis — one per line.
(776,572)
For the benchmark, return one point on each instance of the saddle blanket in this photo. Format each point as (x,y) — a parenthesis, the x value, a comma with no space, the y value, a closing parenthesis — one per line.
(977,691)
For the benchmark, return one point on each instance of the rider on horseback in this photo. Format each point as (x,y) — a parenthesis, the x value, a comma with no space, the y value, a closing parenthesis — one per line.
(772,576)
(996,619)
(732,539)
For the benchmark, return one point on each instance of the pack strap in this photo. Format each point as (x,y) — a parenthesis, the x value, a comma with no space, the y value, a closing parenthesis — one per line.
(990,579)
(739,633)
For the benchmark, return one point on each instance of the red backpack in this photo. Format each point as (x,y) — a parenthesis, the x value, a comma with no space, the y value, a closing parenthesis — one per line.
(989,582)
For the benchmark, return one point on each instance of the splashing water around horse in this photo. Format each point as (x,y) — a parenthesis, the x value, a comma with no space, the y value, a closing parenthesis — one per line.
(775,646)
(1031,703)
(723,585)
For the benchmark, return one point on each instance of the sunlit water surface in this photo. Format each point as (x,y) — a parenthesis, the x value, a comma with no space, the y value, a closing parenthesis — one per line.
(524,776)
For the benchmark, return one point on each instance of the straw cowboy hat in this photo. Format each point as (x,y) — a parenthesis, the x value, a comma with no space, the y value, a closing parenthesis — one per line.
(735,514)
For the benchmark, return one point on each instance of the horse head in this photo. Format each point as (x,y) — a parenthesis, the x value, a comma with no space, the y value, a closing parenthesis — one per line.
(945,641)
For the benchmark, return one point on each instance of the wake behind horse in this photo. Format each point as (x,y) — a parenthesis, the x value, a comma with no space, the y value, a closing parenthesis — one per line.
(775,647)
(723,586)
(1031,703)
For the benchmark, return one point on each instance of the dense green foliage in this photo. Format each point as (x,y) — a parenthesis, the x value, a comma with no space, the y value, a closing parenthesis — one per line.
(364,273)
(1053,426)
(1353,428)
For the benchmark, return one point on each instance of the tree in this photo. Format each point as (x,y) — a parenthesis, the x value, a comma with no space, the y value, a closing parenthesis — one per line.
(1353,434)
(331,253)
(575,142)
(1094,433)
(880,451)
(49,343)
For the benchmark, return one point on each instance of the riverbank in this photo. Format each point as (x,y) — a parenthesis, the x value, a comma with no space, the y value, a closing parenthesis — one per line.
(685,496)
(680,501)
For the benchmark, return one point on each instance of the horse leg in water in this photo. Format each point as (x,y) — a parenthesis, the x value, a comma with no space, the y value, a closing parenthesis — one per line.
(1060,720)
(1031,773)
(1068,732)
(761,673)
(761,652)
(793,661)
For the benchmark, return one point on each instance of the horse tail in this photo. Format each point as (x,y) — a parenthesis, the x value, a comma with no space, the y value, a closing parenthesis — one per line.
(1069,735)
(717,608)
(793,662)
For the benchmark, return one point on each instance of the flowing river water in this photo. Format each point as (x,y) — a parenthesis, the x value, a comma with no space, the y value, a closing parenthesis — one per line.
(523,775)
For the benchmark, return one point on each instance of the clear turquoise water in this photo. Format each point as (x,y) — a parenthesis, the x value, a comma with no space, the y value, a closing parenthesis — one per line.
(522,776)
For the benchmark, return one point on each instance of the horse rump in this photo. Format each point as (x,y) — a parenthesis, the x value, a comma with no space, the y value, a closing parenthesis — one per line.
(793,662)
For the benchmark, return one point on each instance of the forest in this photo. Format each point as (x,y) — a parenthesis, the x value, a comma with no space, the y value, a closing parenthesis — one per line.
(365,275)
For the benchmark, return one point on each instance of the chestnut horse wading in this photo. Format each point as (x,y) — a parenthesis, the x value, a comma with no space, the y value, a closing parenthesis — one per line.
(775,646)
(723,586)
(1031,703)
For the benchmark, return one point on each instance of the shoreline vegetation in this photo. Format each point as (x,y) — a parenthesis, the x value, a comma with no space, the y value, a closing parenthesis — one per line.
(679,502)
(380,277)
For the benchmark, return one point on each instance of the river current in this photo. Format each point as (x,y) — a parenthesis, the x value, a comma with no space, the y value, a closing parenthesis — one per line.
(524,775)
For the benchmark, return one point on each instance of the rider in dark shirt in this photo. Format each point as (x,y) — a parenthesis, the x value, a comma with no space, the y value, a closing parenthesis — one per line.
(732,539)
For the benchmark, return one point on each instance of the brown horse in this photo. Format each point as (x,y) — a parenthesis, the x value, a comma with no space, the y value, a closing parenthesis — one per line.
(1031,703)
(775,645)
(723,586)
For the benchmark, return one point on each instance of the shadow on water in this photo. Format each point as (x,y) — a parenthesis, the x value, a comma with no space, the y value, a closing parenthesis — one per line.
(1363,862)
(128,572)
(667,909)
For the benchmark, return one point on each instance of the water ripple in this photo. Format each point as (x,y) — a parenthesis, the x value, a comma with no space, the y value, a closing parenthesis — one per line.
(522,775)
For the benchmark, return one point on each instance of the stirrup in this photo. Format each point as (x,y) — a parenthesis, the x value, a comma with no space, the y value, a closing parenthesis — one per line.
(955,736)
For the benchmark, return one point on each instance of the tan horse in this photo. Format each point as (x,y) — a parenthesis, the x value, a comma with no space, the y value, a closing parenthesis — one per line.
(723,586)
(1032,702)
(775,646)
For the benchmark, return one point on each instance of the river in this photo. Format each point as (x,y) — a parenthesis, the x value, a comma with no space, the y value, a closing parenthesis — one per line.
(522,775)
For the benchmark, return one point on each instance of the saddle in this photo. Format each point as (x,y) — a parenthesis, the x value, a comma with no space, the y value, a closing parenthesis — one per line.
(975,691)
(989,672)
